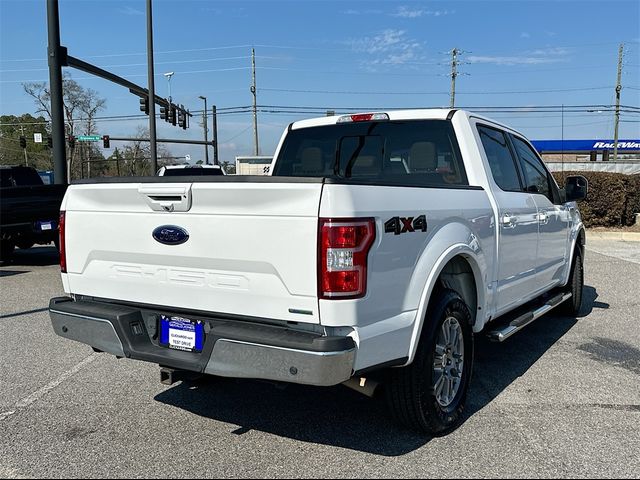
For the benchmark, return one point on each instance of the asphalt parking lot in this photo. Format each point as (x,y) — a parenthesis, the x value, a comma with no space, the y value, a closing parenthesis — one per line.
(560,399)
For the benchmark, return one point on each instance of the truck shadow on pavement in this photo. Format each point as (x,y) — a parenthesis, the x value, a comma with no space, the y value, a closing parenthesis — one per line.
(339,417)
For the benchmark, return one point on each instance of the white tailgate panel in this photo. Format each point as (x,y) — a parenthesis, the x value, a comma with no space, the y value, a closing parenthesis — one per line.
(261,264)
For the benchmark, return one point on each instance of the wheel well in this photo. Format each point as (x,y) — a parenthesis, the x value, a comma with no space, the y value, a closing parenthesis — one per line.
(458,275)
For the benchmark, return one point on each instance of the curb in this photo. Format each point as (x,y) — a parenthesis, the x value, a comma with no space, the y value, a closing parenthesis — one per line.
(620,236)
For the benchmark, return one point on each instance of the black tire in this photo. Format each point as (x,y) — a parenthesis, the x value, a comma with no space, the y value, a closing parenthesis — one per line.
(410,391)
(24,244)
(6,250)
(574,286)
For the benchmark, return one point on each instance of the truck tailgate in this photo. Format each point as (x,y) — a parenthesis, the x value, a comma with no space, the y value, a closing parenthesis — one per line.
(251,248)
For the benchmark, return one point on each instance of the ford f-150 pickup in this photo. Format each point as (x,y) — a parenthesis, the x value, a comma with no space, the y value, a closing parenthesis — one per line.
(379,246)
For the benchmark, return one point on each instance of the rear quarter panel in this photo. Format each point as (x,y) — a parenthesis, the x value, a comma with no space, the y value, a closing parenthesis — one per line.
(402,268)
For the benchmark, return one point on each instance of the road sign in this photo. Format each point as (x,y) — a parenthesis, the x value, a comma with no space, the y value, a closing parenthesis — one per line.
(37,138)
(89,138)
(187,158)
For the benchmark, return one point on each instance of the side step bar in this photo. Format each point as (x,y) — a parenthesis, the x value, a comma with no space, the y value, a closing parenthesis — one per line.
(501,334)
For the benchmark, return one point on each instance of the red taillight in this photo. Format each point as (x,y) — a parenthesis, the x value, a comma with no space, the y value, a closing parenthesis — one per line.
(344,245)
(63,250)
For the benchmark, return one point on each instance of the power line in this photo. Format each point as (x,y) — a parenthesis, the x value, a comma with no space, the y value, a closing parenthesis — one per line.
(296,47)
(501,92)
(237,135)
(580,109)
(174,62)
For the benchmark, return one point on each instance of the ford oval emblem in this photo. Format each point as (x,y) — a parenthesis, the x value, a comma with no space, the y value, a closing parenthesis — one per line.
(170,235)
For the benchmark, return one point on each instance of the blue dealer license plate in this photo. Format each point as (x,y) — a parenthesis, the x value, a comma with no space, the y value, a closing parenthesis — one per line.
(181,333)
(43,226)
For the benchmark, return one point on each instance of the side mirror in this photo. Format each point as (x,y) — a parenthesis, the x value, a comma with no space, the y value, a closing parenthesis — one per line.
(576,187)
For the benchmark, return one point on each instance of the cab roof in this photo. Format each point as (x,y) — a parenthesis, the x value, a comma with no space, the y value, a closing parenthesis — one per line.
(408,114)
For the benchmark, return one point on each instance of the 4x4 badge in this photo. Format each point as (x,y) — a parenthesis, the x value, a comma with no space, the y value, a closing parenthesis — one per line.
(398,225)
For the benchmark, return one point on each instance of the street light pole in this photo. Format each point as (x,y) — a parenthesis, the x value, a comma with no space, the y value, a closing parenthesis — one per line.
(60,165)
(169,75)
(152,90)
(206,131)
(214,115)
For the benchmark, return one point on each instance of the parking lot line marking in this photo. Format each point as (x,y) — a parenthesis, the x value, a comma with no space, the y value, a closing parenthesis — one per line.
(38,394)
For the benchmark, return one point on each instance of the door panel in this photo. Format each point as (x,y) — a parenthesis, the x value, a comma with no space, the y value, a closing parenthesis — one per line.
(552,243)
(517,222)
(518,248)
(553,217)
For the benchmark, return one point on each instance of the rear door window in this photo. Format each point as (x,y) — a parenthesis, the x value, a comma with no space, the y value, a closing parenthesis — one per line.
(19,176)
(413,153)
(537,178)
(501,160)
(191,171)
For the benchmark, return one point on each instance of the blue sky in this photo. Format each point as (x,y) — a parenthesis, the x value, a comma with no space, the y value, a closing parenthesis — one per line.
(347,55)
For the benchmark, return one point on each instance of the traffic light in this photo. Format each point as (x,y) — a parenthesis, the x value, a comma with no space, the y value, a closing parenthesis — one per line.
(105,141)
(72,141)
(173,113)
(181,117)
(49,142)
(163,113)
(185,123)
(23,142)
(144,105)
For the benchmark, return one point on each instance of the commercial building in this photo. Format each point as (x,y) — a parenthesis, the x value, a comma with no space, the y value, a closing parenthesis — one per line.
(253,165)
(590,155)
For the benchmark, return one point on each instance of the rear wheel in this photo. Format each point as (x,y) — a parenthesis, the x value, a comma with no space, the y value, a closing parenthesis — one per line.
(574,286)
(6,249)
(24,244)
(430,394)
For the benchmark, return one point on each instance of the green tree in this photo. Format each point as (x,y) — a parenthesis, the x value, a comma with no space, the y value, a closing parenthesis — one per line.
(12,127)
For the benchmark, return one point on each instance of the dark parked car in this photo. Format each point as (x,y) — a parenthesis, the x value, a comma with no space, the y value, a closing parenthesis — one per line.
(29,209)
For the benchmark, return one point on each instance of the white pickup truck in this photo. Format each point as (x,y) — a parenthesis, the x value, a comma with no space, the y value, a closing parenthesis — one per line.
(378,247)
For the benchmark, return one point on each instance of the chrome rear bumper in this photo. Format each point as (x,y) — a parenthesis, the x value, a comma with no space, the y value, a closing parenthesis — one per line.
(232,349)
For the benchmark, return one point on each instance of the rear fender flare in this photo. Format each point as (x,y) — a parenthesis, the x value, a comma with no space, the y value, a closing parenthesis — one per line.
(479,269)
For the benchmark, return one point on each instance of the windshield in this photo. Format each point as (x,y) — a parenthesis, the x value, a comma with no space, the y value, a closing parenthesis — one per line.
(17,176)
(416,152)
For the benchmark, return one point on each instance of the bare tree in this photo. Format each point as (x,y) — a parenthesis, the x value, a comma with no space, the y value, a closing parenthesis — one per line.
(81,106)
(137,154)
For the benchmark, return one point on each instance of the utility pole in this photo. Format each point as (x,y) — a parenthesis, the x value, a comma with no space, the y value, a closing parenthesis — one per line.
(255,109)
(60,173)
(618,90)
(26,161)
(152,90)
(215,135)
(206,131)
(562,142)
(454,74)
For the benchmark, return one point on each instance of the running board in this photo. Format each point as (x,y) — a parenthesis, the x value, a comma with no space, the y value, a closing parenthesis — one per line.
(501,334)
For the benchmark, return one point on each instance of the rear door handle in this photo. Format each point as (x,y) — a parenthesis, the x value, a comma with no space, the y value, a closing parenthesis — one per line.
(508,221)
(543,218)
